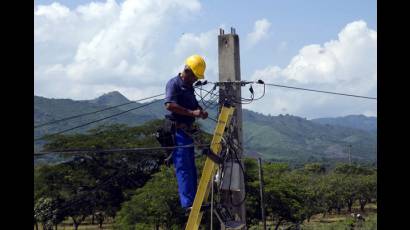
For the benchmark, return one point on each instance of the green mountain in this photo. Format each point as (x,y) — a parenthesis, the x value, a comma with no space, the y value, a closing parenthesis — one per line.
(352,121)
(282,137)
(286,136)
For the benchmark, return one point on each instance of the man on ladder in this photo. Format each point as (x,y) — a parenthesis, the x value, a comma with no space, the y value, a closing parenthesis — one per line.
(181,102)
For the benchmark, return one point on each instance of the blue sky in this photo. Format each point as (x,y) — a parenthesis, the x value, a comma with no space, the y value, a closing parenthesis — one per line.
(287,27)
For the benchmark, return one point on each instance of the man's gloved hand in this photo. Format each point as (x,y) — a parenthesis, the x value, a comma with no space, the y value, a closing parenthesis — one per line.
(196,113)
(204,114)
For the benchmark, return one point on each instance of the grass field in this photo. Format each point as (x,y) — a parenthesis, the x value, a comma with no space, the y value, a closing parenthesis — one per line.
(336,222)
(330,222)
(342,222)
(68,225)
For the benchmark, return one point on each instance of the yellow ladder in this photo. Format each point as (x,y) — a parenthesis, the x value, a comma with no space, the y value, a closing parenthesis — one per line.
(202,193)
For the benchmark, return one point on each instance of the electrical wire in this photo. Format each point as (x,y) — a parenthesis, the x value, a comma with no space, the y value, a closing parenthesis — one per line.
(104,118)
(129,150)
(202,98)
(97,111)
(243,173)
(242,101)
(91,122)
(321,91)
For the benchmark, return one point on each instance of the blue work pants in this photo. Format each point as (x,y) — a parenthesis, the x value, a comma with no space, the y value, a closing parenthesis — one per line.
(184,163)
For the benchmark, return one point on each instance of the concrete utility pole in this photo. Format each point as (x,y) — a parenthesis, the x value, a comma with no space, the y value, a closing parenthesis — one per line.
(262,193)
(229,71)
(350,154)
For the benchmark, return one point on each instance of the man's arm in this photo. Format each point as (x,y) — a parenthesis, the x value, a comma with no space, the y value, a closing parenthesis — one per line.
(171,105)
(175,108)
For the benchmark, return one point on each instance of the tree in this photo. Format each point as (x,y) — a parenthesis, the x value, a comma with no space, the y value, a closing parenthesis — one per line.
(47,211)
(315,168)
(359,182)
(348,169)
(253,204)
(333,192)
(155,205)
(284,194)
(97,182)
(350,184)
(367,189)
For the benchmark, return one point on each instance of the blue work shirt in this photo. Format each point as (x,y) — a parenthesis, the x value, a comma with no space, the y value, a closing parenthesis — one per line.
(184,95)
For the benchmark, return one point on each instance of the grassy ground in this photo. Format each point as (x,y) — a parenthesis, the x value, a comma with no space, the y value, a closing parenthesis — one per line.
(330,222)
(81,227)
(342,222)
(336,222)
(68,225)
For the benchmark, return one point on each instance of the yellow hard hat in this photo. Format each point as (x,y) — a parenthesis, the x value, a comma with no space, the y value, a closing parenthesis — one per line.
(197,64)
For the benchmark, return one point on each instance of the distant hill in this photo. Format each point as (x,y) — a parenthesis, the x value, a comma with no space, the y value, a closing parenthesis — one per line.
(287,136)
(282,137)
(353,121)
(110,99)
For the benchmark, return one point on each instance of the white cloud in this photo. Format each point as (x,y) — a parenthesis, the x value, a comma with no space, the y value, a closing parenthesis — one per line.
(53,12)
(348,64)
(103,45)
(260,31)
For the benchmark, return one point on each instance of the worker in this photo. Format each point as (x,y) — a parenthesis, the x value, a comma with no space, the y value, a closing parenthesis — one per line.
(184,108)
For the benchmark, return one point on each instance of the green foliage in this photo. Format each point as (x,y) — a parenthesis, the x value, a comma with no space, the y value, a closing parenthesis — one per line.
(155,204)
(142,195)
(353,121)
(253,213)
(293,196)
(47,211)
(283,193)
(108,136)
(287,137)
(98,183)
(345,224)
(46,110)
(354,169)
(316,168)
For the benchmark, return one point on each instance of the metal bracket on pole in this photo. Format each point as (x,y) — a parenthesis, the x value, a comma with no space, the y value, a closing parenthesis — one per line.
(215,158)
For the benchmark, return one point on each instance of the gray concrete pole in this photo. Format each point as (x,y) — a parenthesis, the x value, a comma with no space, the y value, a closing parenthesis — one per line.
(262,193)
(229,70)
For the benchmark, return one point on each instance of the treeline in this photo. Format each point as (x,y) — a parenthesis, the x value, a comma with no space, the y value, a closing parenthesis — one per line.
(138,192)
(293,196)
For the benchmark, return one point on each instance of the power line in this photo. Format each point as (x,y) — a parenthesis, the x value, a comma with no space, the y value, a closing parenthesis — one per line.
(320,91)
(210,92)
(129,150)
(104,118)
(91,122)
(97,111)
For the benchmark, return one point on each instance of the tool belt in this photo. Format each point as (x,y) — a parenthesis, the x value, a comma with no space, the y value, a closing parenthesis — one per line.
(165,135)
(190,130)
